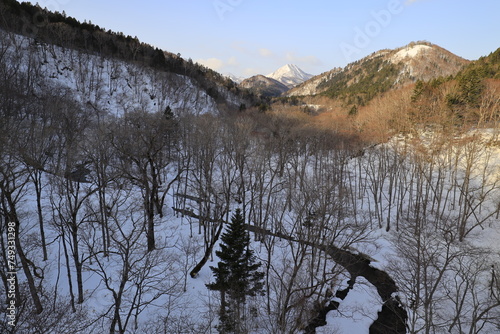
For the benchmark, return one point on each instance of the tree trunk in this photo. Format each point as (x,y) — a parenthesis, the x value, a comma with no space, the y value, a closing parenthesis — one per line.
(208,251)
(38,188)
(76,259)
(150,233)
(29,276)
(12,216)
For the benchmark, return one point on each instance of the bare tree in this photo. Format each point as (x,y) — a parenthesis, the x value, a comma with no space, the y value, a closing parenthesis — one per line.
(146,145)
(135,278)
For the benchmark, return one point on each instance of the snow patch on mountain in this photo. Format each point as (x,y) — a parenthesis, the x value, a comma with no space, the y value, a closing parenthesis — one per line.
(415,61)
(410,52)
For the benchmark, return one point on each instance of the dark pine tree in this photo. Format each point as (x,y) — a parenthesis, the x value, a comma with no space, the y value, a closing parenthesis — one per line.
(236,275)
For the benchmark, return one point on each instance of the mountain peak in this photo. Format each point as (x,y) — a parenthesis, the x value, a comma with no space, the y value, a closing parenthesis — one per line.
(410,51)
(235,78)
(291,67)
(383,70)
(290,75)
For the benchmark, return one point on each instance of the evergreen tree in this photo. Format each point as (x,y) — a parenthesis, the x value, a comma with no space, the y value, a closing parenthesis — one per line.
(236,275)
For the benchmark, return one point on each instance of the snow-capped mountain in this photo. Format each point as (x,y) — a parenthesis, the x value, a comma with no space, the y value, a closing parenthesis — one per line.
(290,75)
(233,77)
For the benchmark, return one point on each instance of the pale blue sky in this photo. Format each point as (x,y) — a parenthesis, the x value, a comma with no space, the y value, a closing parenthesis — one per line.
(247,37)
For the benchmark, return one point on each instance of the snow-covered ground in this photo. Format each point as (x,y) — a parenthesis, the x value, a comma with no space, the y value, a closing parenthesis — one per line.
(424,208)
(356,312)
(191,305)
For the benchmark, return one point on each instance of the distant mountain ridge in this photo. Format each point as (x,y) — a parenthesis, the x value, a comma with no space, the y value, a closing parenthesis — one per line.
(264,86)
(290,75)
(276,83)
(360,81)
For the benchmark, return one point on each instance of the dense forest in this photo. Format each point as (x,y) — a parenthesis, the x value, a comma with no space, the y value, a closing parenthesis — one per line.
(143,220)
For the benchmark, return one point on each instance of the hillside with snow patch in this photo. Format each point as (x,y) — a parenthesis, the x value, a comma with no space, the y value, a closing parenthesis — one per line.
(410,52)
(384,70)
(108,85)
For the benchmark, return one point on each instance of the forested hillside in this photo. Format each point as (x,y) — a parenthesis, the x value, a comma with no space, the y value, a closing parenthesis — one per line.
(58,29)
(359,82)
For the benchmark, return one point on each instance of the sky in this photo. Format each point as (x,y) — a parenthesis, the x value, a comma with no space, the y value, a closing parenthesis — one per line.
(248,37)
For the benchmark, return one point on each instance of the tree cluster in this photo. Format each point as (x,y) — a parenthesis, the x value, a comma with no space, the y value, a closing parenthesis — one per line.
(361,85)
(65,31)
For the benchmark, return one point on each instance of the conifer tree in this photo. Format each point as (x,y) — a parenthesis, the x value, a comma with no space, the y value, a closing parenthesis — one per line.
(236,275)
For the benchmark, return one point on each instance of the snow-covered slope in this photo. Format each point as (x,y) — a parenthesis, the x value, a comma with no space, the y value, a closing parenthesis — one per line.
(109,85)
(410,51)
(290,75)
